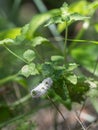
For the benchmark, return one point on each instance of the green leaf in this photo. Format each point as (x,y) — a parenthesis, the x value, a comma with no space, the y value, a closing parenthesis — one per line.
(77,16)
(5,113)
(37,21)
(80,7)
(86,56)
(70,18)
(28,70)
(29,55)
(61,91)
(72,66)
(72,79)
(60,17)
(83,7)
(38,40)
(47,69)
(6,41)
(25,71)
(33,69)
(78,91)
(23,35)
(96,27)
(57,58)
(54,20)
(10,34)
(65,15)
(64,7)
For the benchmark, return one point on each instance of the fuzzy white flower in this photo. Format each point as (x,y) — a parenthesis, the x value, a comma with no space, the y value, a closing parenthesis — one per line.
(42,88)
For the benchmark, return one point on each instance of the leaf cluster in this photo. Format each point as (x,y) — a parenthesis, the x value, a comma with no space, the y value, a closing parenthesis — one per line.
(68,87)
(65,16)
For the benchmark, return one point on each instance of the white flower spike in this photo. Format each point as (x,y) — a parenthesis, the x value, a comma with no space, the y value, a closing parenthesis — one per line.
(42,88)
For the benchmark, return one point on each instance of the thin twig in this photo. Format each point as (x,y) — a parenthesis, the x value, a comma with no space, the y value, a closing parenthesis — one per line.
(95,67)
(78,115)
(65,44)
(84,103)
(7,79)
(80,122)
(13,53)
(58,110)
(55,120)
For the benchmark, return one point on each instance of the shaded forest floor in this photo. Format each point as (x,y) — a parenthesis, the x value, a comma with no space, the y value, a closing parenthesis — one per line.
(49,119)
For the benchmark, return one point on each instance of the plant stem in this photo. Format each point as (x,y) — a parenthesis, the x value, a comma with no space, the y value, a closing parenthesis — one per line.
(95,67)
(9,78)
(57,110)
(77,39)
(21,100)
(65,42)
(38,54)
(79,121)
(15,54)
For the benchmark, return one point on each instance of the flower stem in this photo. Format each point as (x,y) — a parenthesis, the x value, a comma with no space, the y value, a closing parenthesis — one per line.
(15,54)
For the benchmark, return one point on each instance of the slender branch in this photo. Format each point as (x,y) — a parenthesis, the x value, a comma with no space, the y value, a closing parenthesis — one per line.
(7,79)
(55,120)
(80,122)
(81,41)
(15,54)
(95,67)
(84,103)
(57,110)
(21,101)
(37,53)
(74,40)
(65,43)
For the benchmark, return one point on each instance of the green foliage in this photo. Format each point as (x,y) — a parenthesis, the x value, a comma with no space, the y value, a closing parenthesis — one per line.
(57,58)
(80,9)
(38,40)
(68,86)
(11,33)
(90,55)
(5,113)
(21,81)
(84,7)
(8,36)
(65,16)
(72,79)
(29,55)
(72,66)
(25,125)
(28,70)
(6,41)
(35,23)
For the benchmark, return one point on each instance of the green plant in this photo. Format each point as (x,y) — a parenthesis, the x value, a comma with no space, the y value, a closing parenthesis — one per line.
(68,86)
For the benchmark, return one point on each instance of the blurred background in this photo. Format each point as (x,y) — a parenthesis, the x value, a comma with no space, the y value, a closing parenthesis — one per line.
(18,111)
